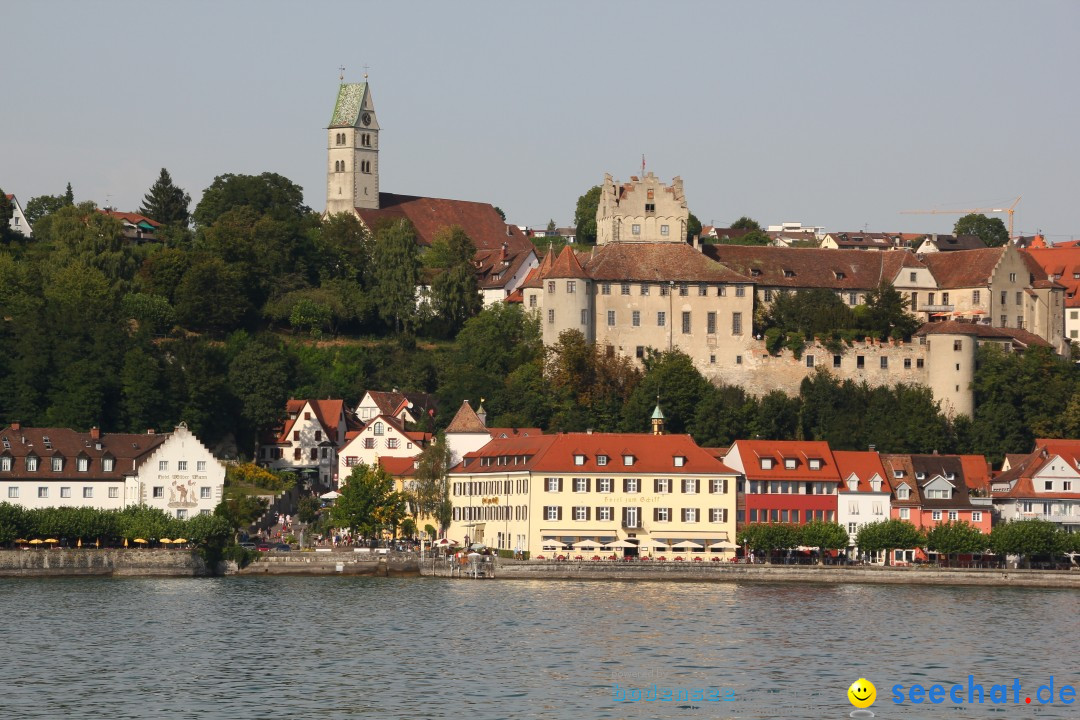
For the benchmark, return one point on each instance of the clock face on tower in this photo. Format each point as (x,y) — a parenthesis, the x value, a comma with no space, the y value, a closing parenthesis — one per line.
(366,119)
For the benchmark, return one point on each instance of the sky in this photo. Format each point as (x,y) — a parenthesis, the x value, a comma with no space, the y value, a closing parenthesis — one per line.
(837,114)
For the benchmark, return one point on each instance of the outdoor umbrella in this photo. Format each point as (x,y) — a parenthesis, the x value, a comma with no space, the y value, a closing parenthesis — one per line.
(332,495)
(141,541)
(51,540)
(687,545)
(20,540)
(36,541)
(619,544)
(654,543)
(180,541)
(165,541)
(587,545)
(723,545)
(477,546)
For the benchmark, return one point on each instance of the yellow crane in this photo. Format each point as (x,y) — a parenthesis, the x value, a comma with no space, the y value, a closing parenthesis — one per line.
(1010,210)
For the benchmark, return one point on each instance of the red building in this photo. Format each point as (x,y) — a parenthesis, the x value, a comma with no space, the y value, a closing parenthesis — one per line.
(785,481)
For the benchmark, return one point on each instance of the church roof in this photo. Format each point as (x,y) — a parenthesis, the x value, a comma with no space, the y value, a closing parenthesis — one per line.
(349,101)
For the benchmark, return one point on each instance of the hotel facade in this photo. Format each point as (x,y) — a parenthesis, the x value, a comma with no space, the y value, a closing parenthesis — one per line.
(548,494)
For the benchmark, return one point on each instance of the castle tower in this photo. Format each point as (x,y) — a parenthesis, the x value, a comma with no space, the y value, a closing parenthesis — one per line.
(950,369)
(352,166)
(642,210)
(567,299)
(657,419)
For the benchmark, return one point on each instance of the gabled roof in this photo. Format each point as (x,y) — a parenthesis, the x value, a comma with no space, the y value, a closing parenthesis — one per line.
(350,100)
(1020,477)
(864,465)
(930,467)
(752,451)
(466,421)
(797,268)
(326,412)
(399,466)
(567,266)
(953,243)
(420,438)
(131,218)
(657,262)
(391,402)
(964,268)
(1062,265)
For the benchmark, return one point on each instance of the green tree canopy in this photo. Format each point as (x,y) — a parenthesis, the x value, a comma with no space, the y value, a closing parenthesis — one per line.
(887,312)
(432,495)
(887,535)
(746,223)
(991,231)
(680,385)
(267,194)
(823,535)
(956,537)
(455,293)
(1028,538)
(397,274)
(368,502)
(693,226)
(585,215)
(166,203)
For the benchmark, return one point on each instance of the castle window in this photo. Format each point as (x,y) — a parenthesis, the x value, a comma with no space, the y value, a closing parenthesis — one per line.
(663,290)
(532,300)
(664,230)
(661,318)
(918,363)
(907,363)
(710,323)
(551,315)
(836,360)
(686,322)
(635,318)
(884,362)
(721,290)
(611,318)
(551,286)
(860,362)
(702,289)
(625,290)
(736,323)
(605,288)
(650,208)
(740,291)
(644,288)
(976,297)
(809,361)
(635,229)
(958,345)
(571,286)
(639,352)
(584,317)
(684,289)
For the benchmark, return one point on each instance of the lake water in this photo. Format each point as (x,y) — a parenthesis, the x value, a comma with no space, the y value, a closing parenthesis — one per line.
(429,648)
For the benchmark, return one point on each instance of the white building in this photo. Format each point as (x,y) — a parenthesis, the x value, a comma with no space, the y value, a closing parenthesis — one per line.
(58,467)
(18,221)
(383,436)
(307,443)
(864,491)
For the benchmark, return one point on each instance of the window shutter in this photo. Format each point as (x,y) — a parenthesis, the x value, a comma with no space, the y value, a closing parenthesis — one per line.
(683,485)
(588,513)
(560,484)
(558,511)
(625,512)
(656,514)
(588,484)
(625,486)
(697,485)
(656,485)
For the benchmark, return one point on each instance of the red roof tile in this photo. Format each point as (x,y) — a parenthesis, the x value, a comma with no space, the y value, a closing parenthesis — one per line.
(812,267)
(567,266)
(986,332)
(128,450)
(863,465)
(964,268)
(752,451)
(657,262)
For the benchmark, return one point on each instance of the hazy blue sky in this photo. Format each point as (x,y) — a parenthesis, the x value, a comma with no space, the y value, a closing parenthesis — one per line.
(839,114)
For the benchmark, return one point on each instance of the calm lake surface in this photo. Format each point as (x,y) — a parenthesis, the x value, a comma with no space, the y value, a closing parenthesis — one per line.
(430,648)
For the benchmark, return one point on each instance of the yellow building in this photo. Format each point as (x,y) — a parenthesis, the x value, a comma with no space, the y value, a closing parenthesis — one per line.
(632,494)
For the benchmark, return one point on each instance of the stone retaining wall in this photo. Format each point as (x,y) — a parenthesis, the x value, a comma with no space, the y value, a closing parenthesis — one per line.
(335,563)
(92,561)
(695,572)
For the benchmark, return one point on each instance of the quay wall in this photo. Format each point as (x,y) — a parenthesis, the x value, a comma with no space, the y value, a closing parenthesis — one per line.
(334,563)
(66,562)
(707,572)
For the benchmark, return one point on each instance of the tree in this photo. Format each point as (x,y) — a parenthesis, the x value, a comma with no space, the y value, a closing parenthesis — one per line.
(397,274)
(887,312)
(500,213)
(346,249)
(7,210)
(551,228)
(42,205)
(955,537)
(746,223)
(307,510)
(259,379)
(211,531)
(166,203)
(991,231)
(824,536)
(585,215)
(368,502)
(431,499)
(887,535)
(212,296)
(680,386)
(69,195)
(455,294)
(267,194)
(767,537)
(1029,538)
(693,227)
(241,511)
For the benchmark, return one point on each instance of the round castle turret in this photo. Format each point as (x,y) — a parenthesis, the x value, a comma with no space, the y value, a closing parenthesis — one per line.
(567,299)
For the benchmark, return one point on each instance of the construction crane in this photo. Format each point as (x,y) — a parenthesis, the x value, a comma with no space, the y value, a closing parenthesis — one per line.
(1011,209)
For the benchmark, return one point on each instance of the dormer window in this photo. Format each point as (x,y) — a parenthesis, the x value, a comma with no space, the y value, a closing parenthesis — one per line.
(379,429)
(31,463)
(839,275)
(815,463)
(789,273)
(939,494)
(627,460)
(107,464)
(766,463)
(601,460)
(898,474)
(57,464)
(903,493)
(754,272)
(920,475)
(680,461)
(790,463)
(950,476)
(83,464)
(853,484)
(579,459)
(875,485)
(5,464)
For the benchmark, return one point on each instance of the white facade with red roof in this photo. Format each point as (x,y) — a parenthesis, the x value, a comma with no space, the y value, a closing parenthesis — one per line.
(1044,485)
(863,492)
(468,431)
(383,436)
(410,407)
(58,467)
(539,493)
(18,222)
(307,442)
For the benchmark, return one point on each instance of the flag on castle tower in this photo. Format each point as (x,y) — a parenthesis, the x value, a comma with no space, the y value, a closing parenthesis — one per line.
(642,163)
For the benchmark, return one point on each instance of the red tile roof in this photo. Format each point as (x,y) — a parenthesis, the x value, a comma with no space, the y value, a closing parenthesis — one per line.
(657,262)
(1061,264)
(964,268)
(812,267)
(466,421)
(1020,477)
(864,465)
(567,266)
(652,454)
(133,218)
(752,451)
(398,466)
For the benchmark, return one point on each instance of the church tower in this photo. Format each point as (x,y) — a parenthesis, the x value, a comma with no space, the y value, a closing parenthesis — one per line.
(352,164)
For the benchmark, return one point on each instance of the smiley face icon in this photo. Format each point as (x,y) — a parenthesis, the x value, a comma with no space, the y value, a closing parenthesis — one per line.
(862,693)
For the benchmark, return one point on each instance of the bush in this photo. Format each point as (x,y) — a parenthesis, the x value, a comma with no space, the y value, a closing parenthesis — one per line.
(241,556)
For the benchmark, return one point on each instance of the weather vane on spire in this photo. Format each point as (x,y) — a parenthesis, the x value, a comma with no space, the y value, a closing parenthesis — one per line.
(341,73)
(365,72)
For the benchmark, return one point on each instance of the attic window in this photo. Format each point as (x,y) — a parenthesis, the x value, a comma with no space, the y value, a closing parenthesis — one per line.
(601,460)
(789,273)
(579,459)
(815,463)
(950,476)
(920,476)
(754,272)
(898,473)
(766,463)
(627,459)
(839,275)
(790,463)
(680,461)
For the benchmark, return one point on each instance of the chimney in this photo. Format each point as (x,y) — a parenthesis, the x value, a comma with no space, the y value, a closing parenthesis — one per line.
(505,250)
(95,433)
(149,431)
(16,426)
(873,447)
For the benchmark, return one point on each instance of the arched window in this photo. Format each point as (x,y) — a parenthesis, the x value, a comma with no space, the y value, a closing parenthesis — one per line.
(378,428)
